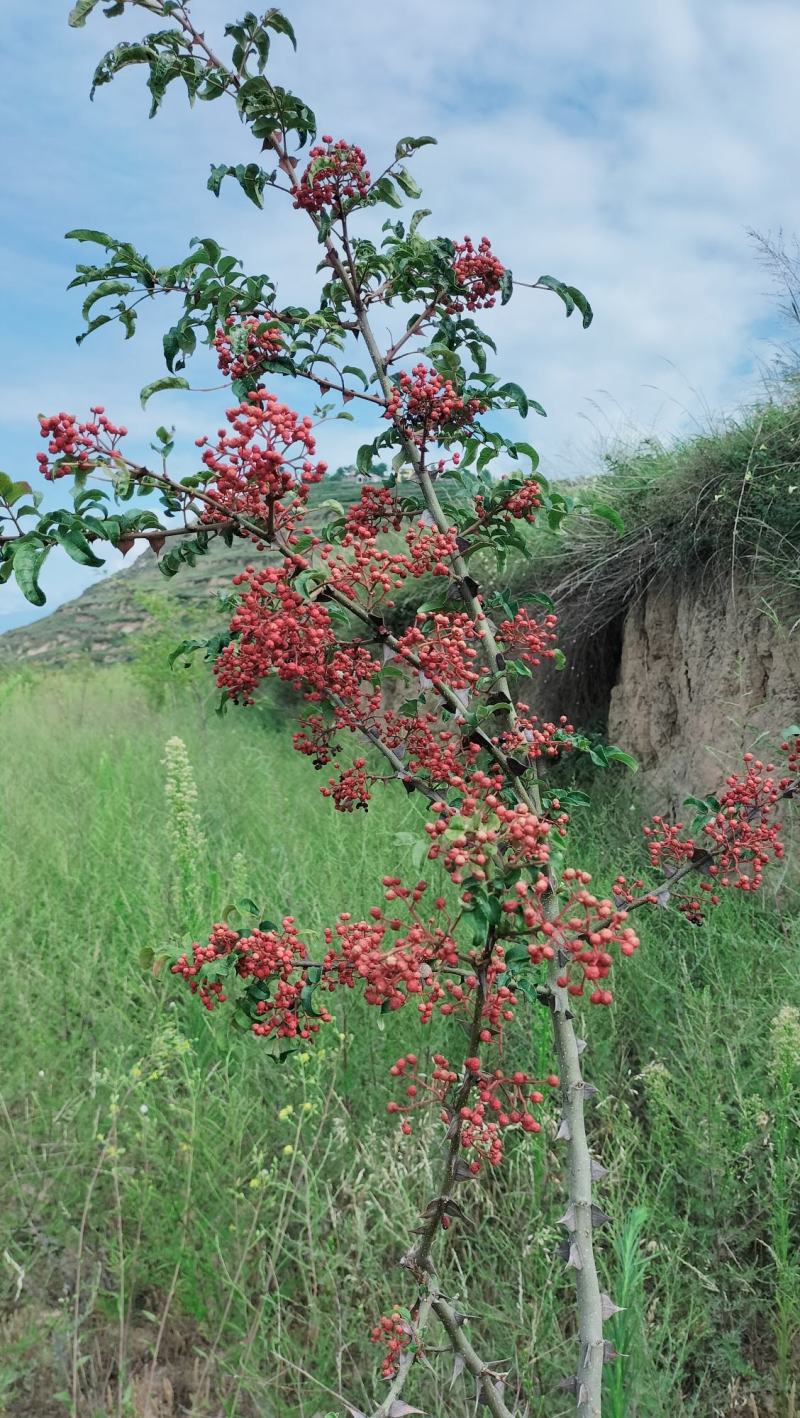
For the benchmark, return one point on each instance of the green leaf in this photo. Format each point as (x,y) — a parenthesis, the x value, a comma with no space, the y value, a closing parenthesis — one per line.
(708,806)
(100,238)
(540,598)
(582,305)
(554,284)
(405,146)
(618,755)
(384,191)
(101,289)
(516,395)
(76,546)
(11,492)
(277,21)
(573,797)
(416,218)
(28,559)
(609,514)
(359,373)
(80,13)
(530,453)
(92,326)
(184,650)
(518,667)
(406,182)
(208,247)
(168,381)
(573,298)
(247,906)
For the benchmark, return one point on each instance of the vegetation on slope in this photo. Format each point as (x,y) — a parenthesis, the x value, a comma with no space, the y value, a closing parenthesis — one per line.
(183,1218)
(713,504)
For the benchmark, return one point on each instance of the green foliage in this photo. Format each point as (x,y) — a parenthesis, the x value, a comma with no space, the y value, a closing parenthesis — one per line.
(162,674)
(717,504)
(27,560)
(157,386)
(573,298)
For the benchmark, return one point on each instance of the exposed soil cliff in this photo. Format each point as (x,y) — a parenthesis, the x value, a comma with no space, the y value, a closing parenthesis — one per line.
(704,670)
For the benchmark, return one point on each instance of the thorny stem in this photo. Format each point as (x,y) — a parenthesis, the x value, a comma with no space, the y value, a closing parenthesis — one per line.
(152,534)
(490,1384)
(579,1215)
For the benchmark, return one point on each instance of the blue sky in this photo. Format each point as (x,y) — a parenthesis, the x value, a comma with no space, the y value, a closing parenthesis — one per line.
(626,146)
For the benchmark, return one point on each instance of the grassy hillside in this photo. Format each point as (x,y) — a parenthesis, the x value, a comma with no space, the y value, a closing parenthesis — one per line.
(187,1227)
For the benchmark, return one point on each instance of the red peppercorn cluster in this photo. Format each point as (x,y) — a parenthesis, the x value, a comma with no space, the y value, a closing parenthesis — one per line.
(524,501)
(740,837)
(431,752)
(446,647)
(244,346)
(429,550)
(585,929)
(74,447)
(535,738)
(274,958)
(503,1101)
(421,1090)
(488,837)
(394,960)
(279,631)
(266,453)
(336,176)
(359,567)
(520,503)
(393,1332)
(478,274)
(530,639)
(317,740)
(377,510)
(424,403)
(501,1104)
(351,789)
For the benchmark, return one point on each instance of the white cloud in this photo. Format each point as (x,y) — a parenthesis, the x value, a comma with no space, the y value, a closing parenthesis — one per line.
(626,146)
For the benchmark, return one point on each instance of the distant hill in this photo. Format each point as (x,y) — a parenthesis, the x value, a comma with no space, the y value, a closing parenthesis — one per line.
(104,621)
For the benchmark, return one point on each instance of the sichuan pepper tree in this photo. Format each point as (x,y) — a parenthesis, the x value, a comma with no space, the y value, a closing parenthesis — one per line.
(505,922)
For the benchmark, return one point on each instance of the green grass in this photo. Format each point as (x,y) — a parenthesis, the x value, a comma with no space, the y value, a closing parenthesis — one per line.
(169,1228)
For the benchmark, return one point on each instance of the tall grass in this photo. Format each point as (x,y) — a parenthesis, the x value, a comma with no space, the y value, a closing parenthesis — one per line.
(189,1227)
